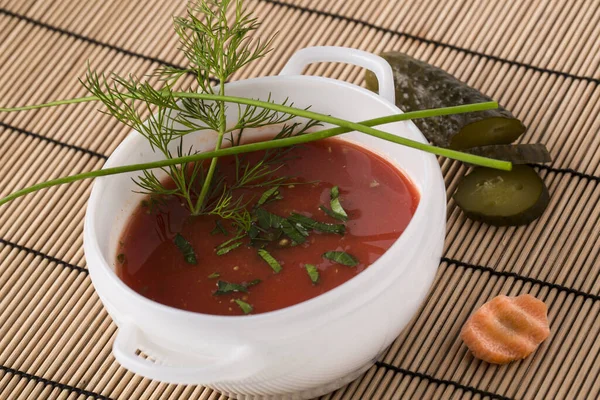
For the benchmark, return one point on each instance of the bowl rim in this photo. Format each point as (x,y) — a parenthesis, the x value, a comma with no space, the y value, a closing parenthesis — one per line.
(432,175)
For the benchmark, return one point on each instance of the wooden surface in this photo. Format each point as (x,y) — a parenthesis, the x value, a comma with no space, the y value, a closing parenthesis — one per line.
(538,58)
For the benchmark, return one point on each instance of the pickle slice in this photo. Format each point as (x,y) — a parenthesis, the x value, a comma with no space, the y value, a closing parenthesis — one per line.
(502,198)
(526,153)
(421,86)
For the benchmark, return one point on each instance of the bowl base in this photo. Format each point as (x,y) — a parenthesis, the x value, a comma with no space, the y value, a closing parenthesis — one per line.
(306,394)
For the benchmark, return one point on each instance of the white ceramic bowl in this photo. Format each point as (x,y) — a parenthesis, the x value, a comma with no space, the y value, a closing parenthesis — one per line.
(301,351)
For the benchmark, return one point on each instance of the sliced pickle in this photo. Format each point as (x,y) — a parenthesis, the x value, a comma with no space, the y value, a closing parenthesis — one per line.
(502,198)
(515,153)
(420,86)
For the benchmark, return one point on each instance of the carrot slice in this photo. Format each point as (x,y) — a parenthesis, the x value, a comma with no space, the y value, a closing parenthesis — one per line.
(506,329)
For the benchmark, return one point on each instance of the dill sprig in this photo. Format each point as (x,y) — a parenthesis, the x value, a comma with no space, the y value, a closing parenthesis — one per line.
(214,47)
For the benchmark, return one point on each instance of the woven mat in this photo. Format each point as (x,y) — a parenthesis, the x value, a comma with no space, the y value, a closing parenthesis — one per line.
(539,58)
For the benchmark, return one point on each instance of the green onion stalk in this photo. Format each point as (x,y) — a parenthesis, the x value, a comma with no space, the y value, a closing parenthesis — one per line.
(342,126)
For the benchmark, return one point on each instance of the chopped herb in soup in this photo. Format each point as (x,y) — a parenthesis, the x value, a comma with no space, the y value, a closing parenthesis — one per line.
(322,214)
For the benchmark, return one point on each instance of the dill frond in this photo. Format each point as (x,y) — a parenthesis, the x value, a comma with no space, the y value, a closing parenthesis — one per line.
(215,47)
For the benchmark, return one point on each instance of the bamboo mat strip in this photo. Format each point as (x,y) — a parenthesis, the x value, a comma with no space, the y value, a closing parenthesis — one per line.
(77,36)
(53,141)
(432,41)
(52,384)
(317,12)
(532,58)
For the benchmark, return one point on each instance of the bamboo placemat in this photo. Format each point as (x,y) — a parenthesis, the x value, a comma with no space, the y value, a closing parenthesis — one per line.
(540,58)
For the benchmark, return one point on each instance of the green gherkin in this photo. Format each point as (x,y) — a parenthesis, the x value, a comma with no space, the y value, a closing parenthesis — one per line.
(502,198)
(422,86)
(524,153)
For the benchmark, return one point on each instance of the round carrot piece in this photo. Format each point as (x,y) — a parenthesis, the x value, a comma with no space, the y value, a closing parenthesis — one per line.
(506,328)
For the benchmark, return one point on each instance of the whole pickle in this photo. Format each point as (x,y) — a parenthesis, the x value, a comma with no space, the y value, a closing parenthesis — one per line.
(420,86)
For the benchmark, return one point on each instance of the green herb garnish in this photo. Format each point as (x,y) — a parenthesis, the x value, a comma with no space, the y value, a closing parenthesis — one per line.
(336,211)
(226,249)
(336,206)
(269,194)
(324,227)
(341,257)
(121,258)
(268,220)
(214,275)
(273,263)
(313,273)
(224,287)
(219,229)
(246,308)
(265,236)
(230,244)
(151,204)
(293,233)
(270,227)
(186,249)
(300,228)
(253,282)
(254,232)
(333,215)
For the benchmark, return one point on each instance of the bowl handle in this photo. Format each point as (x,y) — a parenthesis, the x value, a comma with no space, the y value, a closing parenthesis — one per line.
(373,62)
(236,363)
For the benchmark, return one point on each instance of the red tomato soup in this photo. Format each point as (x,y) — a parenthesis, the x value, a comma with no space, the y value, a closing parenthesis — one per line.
(377,198)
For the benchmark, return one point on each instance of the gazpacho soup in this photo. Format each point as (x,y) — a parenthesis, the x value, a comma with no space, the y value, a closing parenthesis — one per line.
(309,219)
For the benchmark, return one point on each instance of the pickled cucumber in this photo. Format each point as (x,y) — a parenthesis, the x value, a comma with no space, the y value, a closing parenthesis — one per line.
(526,153)
(500,198)
(420,86)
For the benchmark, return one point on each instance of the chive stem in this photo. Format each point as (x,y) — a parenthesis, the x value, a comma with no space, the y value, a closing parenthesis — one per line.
(51,104)
(361,127)
(272,144)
